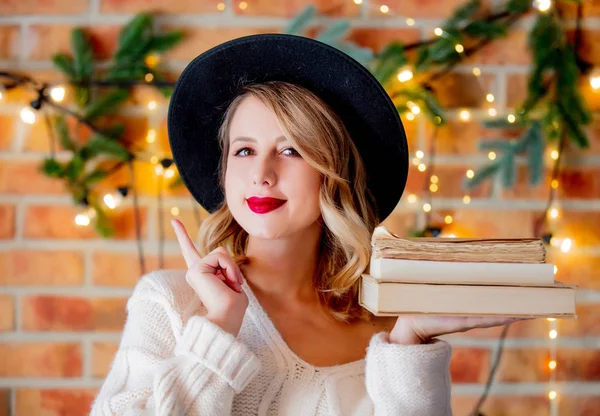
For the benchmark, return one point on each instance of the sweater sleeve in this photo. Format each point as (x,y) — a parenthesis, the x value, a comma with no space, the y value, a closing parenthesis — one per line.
(166,367)
(408,380)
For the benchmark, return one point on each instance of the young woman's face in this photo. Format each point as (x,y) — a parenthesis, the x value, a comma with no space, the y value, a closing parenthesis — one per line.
(271,191)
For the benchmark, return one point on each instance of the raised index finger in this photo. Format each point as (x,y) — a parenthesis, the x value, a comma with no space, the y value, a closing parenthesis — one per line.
(190,254)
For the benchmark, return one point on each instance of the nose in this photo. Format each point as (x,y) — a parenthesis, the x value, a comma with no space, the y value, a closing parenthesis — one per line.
(264,171)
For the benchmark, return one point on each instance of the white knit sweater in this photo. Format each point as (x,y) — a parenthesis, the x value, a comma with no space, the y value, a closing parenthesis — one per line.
(173,361)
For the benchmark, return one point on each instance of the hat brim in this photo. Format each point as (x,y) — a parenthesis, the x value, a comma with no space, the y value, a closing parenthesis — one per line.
(212,80)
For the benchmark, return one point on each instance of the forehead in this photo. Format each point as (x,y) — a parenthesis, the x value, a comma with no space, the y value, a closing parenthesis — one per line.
(253,119)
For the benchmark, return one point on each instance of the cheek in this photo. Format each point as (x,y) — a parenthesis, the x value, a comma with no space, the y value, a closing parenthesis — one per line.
(309,187)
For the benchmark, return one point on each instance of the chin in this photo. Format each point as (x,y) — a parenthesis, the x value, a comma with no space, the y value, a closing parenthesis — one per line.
(264,228)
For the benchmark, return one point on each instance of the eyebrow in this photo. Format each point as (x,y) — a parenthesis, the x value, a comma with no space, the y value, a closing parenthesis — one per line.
(250,139)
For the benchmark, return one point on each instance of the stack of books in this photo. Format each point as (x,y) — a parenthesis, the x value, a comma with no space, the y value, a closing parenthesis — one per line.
(463,276)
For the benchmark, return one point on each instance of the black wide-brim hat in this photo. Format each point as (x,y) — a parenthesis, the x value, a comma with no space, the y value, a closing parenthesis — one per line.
(212,80)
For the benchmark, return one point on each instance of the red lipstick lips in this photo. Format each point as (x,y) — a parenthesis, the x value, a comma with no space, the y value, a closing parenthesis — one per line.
(264,205)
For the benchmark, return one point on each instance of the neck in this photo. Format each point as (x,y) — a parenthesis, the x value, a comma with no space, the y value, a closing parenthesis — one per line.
(284,268)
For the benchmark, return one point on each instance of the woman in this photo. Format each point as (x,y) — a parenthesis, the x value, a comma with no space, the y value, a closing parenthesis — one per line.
(297,164)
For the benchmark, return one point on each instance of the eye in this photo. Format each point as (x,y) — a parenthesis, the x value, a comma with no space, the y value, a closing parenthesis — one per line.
(243,152)
(290,151)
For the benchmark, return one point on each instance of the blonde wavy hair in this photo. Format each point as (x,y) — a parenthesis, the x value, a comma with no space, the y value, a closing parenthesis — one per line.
(320,137)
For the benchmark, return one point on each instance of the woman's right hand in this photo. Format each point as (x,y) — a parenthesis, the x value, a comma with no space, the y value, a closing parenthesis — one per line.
(217,281)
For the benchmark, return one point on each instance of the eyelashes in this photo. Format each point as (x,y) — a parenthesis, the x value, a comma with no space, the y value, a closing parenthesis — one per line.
(246,151)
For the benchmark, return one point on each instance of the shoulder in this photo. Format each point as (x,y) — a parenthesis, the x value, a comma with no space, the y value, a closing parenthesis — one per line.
(168,288)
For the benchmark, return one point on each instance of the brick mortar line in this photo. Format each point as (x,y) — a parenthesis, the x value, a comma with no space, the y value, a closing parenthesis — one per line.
(13,401)
(229,19)
(60,337)
(94,292)
(179,65)
(228,8)
(87,267)
(86,351)
(565,343)
(19,221)
(573,388)
(94,8)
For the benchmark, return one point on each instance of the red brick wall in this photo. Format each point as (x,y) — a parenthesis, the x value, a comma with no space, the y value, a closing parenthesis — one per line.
(63,289)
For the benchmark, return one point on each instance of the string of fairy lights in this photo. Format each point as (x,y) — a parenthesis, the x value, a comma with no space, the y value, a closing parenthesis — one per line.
(165,169)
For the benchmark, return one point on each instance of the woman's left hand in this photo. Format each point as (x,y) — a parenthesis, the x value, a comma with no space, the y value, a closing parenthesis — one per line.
(418,329)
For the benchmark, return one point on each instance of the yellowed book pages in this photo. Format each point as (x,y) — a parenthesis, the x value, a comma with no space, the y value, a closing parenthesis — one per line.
(486,250)
(393,299)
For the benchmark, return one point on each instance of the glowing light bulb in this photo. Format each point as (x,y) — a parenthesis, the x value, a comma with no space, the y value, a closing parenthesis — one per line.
(476,72)
(149,77)
(511,118)
(554,213)
(412,198)
(410,116)
(405,75)
(459,48)
(422,167)
(243,5)
(553,334)
(595,81)
(470,173)
(154,160)
(159,170)
(493,112)
(426,207)
(384,9)
(490,98)
(82,219)
(152,61)
(438,31)
(433,187)
(419,154)
(464,115)
(554,154)
(434,179)
(415,109)
(552,365)
(551,319)
(542,5)
(466,199)
(151,137)
(566,245)
(552,395)
(410,22)
(448,219)
(169,173)
(57,94)
(554,184)
(174,211)
(492,155)
(221,7)
(113,200)
(152,105)
(27,115)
